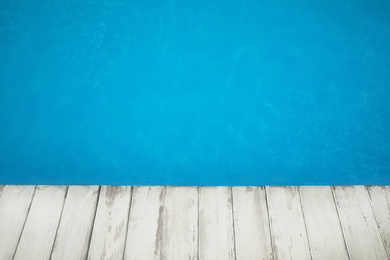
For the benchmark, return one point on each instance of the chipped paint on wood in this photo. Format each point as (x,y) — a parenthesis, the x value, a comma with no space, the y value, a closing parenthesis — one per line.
(14,206)
(323,225)
(145,223)
(380,202)
(252,234)
(164,222)
(216,235)
(180,232)
(109,231)
(42,222)
(289,238)
(75,230)
(360,229)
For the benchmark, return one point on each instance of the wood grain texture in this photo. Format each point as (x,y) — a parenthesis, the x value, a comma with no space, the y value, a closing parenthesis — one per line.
(75,229)
(289,238)
(322,223)
(380,202)
(357,219)
(251,223)
(194,223)
(216,234)
(180,231)
(42,222)
(14,206)
(144,235)
(109,231)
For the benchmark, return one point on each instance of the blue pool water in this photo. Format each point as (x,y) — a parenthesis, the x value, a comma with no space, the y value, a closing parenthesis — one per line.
(186,92)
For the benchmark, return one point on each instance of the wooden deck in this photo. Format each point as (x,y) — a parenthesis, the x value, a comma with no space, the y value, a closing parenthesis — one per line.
(92,222)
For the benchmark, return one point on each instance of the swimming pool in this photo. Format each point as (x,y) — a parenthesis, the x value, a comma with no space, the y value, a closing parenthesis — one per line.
(195,92)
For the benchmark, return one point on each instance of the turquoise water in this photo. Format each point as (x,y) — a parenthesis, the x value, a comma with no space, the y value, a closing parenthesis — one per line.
(187,92)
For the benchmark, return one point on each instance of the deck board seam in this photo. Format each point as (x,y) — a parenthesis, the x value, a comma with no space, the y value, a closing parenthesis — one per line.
(341,224)
(304,222)
(25,220)
(376,221)
(266,188)
(93,221)
(59,222)
(128,220)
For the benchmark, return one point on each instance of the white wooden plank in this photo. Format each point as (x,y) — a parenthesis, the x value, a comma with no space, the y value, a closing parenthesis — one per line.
(251,223)
(360,229)
(14,206)
(288,231)
(42,222)
(322,223)
(109,231)
(216,234)
(144,234)
(380,202)
(180,231)
(75,229)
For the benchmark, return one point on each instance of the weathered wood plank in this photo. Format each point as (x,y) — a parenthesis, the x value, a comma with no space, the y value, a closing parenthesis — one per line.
(380,202)
(357,220)
(75,229)
(164,222)
(42,222)
(322,223)
(109,231)
(180,231)
(216,234)
(14,206)
(288,231)
(251,223)
(144,235)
